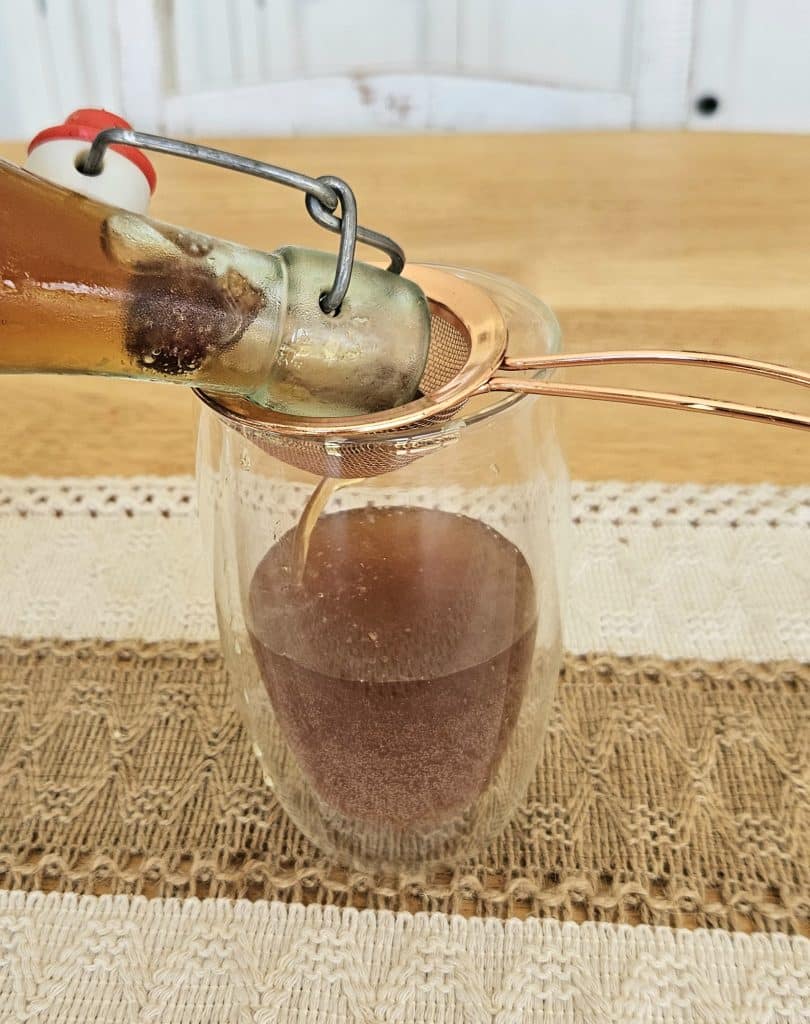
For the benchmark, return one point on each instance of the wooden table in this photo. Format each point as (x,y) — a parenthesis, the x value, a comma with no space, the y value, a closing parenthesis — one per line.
(684,241)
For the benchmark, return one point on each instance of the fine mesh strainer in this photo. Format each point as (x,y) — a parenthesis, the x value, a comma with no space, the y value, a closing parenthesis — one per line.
(468,357)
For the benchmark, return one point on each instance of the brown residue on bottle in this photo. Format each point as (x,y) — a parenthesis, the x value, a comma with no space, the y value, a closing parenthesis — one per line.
(182,312)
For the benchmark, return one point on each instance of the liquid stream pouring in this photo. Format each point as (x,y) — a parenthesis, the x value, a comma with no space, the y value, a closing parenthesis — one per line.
(297,340)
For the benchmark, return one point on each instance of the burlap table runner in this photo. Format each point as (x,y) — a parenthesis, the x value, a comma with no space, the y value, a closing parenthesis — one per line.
(673,788)
(668,792)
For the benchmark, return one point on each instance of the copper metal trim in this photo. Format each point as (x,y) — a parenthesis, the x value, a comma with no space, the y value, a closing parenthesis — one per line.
(712,360)
(487,367)
(661,400)
(466,304)
(629,396)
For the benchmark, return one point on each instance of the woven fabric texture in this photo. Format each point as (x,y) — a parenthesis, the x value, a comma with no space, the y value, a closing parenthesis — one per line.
(673,789)
(115,960)
(672,571)
(670,793)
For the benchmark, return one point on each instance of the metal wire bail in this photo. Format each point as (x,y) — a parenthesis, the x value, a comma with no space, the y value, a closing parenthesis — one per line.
(324,196)
(347,226)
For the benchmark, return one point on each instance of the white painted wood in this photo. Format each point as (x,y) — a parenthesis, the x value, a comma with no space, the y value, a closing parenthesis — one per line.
(141,31)
(186,57)
(338,58)
(99,52)
(471,105)
(245,29)
(712,58)
(389,103)
(11,123)
(522,63)
(280,29)
(755,58)
(55,57)
(663,33)
(440,28)
(576,43)
(357,36)
(215,43)
(24,51)
(476,19)
(65,51)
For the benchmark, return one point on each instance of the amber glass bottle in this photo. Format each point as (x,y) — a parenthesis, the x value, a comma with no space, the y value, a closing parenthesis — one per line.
(90,288)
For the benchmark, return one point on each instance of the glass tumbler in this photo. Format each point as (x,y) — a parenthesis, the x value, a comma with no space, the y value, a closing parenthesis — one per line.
(394,642)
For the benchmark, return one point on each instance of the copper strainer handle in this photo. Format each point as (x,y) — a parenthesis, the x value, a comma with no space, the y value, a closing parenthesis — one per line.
(663,400)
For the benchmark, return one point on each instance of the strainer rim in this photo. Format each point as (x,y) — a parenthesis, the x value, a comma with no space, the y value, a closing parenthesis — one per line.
(355,430)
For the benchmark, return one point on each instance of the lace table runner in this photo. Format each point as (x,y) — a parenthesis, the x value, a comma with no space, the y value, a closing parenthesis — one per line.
(673,789)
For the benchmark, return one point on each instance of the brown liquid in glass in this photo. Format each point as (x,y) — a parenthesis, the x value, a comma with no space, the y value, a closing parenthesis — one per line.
(397,665)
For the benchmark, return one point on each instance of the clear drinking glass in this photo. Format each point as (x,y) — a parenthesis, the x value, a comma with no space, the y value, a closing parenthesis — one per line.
(395,670)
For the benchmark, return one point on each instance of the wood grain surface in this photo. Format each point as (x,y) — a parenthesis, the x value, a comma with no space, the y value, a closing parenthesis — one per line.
(684,241)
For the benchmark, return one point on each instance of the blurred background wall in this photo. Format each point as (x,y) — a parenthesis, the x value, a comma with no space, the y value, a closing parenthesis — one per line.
(331,66)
